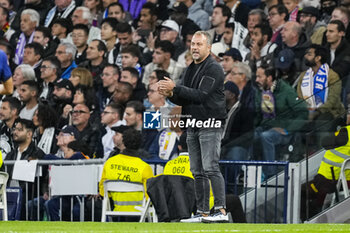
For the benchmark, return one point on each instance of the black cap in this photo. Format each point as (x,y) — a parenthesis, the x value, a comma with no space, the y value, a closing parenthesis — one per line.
(64,83)
(179,7)
(310,11)
(285,59)
(232,52)
(121,128)
(69,129)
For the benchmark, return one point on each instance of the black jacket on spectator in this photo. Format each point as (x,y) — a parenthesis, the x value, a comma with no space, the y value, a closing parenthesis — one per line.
(139,93)
(341,63)
(240,129)
(91,135)
(50,50)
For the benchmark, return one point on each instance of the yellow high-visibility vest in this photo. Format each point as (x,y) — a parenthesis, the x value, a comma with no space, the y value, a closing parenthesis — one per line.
(126,168)
(334,158)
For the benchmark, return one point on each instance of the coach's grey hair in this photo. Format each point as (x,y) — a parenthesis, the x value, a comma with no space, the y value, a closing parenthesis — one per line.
(244,69)
(204,33)
(86,13)
(70,48)
(34,15)
(27,72)
(259,12)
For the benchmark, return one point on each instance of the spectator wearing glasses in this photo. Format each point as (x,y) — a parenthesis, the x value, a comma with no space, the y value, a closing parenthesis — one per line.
(88,133)
(80,35)
(110,77)
(112,116)
(277,17)
(50,72)
(313,27)
(65,53)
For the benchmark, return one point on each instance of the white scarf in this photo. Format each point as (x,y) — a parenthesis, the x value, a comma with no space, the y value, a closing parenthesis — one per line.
(52,13)
(314,88)
(46,140)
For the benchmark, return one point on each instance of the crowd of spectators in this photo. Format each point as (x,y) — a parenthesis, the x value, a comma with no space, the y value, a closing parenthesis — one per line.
(72,70)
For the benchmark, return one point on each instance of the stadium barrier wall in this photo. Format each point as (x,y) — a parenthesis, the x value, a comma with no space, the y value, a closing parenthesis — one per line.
(273,200)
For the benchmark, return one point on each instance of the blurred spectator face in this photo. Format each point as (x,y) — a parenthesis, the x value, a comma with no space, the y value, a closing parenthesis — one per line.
(20,133)
(127,77)
(337,14)
(5,112)
(17,77)
(81,114)
(188,40)
(188,60)
(252,21)
(275,19)
(146,20)
(29,57)
(5,4)
(27,26)
(310,57)
(57,29)
(228,36)
(64,138)
(227,63)
(75,80)
(128,60)
(91,4)
(153,94)
(77,18)
(107,32)
(158,56)
(79,38)
(24,93)
(61,4)
(78,97)
(306,20)
(332,34)
(261,79)
(35,118)
(107,2)
(288,33)
(108,116)
(108,78)
(61,54)
(152,78)
(61,93)
(116,12)
(92,52)
(124,39)
(118,140)
(39,38)
(131,117)
(237,77)
(257,37)
(121,95)
(167,34)
(47,70)
(217,17)
(290,4)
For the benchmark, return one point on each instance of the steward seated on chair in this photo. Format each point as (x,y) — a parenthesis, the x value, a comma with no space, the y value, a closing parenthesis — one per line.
(126,166)
(338,147)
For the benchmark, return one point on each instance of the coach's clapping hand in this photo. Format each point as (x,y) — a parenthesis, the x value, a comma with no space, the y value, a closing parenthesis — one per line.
(166,86)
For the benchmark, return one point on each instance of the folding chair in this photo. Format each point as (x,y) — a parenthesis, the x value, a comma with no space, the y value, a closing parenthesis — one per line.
(3,200)
(342,182)
(145,210)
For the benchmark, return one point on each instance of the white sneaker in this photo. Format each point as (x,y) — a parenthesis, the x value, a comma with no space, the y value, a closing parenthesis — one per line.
(218,217)
(194,219)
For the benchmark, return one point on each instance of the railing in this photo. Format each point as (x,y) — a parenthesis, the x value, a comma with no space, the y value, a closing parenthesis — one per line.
(258,196)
